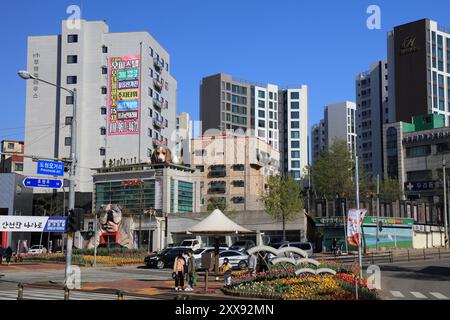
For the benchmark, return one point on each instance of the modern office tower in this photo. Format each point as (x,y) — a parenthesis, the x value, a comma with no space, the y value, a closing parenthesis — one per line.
(126,97)
(183,136)
(338,124)
(419,70)
(372,111)
(276,115)
(293,123)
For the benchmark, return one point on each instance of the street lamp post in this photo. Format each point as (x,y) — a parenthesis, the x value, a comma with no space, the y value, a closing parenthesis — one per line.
(73,150)
(445,205)
(357,207)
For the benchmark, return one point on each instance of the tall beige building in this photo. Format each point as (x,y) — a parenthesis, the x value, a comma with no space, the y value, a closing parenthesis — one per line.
(234,169)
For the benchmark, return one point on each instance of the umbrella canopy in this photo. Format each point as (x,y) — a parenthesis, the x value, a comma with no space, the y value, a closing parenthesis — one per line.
(217,224)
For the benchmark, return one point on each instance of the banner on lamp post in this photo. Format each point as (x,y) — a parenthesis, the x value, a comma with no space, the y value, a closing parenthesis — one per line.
(355,219)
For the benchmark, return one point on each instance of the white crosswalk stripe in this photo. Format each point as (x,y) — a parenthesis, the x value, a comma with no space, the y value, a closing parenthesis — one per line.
(438,295)
(52,294)
(419,295)
(397,294)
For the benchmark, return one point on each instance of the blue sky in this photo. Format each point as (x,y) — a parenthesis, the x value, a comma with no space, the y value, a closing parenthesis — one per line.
(322,44)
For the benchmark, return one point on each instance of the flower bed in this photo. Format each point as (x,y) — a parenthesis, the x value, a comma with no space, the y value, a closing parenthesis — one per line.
(87,260)
(282,283)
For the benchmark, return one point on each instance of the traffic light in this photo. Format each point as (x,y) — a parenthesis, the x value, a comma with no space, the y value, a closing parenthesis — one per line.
(380,225)
(74,219)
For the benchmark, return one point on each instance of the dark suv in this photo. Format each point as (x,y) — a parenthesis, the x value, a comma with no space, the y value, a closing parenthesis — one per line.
(164,258)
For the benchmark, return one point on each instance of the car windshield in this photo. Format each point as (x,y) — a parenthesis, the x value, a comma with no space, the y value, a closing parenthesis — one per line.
(239,243)
(303,246)
(187,243)
(277,245)
(198,251)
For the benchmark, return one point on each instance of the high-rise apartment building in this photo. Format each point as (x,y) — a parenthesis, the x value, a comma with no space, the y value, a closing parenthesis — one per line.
(372,110)
(276,115)
(419,70)
(126,97)
(338,124)
(183,136)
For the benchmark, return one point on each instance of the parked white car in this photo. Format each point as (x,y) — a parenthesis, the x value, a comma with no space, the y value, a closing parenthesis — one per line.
(194,244)
(37,249)
(198,253)
(237,259)
(305,246)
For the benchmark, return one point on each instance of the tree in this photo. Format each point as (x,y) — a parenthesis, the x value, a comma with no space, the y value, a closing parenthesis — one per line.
(282,199)
(216,203)
(390,190)
(332,173)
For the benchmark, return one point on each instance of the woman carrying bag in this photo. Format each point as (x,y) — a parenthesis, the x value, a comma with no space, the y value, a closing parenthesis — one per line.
(178,272)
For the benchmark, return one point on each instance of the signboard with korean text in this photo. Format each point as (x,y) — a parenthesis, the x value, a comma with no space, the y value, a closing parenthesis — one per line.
(124,95)
(32,224)
(51,168)
(414,186)
(45,183)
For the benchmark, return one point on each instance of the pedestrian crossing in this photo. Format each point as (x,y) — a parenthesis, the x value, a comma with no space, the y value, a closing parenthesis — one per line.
(417,295)
(52,294)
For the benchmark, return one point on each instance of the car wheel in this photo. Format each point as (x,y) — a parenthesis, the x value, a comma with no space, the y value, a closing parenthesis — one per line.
(160,264)
(242,264)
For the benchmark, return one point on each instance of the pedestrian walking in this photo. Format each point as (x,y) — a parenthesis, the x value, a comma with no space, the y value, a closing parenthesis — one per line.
(190,271)
(252,264)
(178,272)
(334,246)
(8,254)
(226,269)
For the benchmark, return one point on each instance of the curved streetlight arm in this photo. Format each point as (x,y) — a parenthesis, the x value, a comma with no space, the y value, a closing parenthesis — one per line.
(27,76)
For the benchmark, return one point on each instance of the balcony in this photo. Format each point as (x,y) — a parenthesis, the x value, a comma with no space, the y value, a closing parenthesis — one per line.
(157,103)
(217,171)
(158,122)
(158,64)
(158,142)
(217,187)
(158,84)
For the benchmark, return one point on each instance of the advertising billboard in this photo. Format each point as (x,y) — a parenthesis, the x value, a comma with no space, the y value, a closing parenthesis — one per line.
(124,95)
(32,224)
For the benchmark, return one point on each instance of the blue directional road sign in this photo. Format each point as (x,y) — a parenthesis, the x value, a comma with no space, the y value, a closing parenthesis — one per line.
(51,168)
(42,183)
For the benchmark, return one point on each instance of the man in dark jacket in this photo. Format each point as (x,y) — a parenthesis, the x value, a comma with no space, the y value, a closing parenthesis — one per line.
(8,254)
(190,271)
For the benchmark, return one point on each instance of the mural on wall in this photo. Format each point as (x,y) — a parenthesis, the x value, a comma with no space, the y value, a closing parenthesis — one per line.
(112,224)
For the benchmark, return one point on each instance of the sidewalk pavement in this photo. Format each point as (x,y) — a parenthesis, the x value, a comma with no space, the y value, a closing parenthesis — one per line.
(30,266)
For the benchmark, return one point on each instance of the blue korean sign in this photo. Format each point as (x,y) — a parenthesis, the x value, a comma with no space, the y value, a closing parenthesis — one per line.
(51,168)
(414,186)
(42,183)
(55,224)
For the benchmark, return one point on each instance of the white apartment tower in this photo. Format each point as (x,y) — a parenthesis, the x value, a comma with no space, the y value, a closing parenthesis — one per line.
(372,110)
(183,132)
(338,124)
(126,101)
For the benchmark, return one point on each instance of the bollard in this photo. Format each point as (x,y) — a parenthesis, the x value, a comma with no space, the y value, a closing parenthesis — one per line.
(119,295)
(66,293)
(20,291)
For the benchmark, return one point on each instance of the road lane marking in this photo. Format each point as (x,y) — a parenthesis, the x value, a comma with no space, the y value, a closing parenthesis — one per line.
(419,295)
(438,295)
(397,294)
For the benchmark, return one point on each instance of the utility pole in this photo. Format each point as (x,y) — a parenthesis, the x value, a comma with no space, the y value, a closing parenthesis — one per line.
(73,151)
(445,204)
(345,226)
(357,207)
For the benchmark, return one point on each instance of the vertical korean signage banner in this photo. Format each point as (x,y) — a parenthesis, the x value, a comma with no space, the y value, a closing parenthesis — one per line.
(355,219)
(124,95)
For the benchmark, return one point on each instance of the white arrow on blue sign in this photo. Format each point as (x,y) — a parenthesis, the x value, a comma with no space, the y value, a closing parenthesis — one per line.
(42,183)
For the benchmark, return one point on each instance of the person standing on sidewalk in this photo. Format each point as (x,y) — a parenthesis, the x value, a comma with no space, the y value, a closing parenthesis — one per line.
(8,253)
(190,271)
(226,269)
(178,272)
(252,263)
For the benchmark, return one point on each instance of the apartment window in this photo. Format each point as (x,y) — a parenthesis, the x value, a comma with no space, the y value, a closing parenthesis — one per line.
(150,133)
(238,200)
(104,49)
(71,38)
(18,167)
(261,123)
(295,124)
(103,90)
(261,113)
(102,151)
(104,70)
(295,105)
(261,104)
(149,152)
(295,134)
(295,154)
(102,131)
(72,59)
(69,100)
(418,151)
(295,144)
(151,51)
(295,95)
(295,164)
(295,115)
(103,110)
(71,79)
(10,146)
(238,167)
(67,141)
(261,94)
(68,121)
(238,183)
